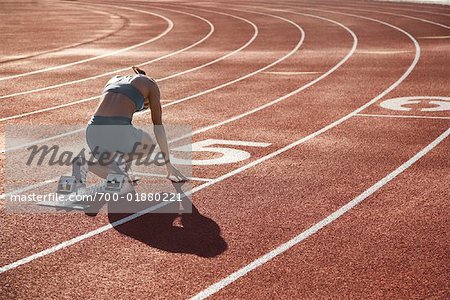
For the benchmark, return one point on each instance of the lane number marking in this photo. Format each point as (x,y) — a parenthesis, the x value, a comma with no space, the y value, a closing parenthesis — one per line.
(229,155)
(399,104)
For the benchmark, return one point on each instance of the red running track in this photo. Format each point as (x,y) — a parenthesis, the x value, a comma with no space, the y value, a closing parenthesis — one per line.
(349,200)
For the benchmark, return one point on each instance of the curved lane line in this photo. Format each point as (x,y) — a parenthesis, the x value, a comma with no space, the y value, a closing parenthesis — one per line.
(123,69)
(166,31)
(255,34)
(74,45)
(388,13)
(254,72)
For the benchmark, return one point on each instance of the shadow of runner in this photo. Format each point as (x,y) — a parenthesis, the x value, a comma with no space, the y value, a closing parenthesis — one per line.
(191,233)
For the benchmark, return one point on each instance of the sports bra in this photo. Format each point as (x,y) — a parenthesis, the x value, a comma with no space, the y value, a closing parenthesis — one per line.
(122,85)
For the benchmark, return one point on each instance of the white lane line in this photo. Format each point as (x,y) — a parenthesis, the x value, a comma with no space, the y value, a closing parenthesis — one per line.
(38,111)
(31,187)
(42,140)
(203,92)
(232,173)
(165,32)
(80,238)
(319,225)
(211,26)
(291,73)
(437,37)
(165,176)
(401,116)
(388,52)
(251,40)
(384,6)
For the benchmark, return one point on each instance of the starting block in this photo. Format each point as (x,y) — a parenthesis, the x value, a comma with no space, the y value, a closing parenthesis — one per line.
(66,185)
(67,191)
(115,182)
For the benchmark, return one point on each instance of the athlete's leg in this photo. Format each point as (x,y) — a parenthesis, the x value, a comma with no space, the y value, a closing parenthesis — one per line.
(143,146)
(108,156)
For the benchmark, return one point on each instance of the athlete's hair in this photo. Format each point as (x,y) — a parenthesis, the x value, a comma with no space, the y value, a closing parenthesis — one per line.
(137,70)
(140,71)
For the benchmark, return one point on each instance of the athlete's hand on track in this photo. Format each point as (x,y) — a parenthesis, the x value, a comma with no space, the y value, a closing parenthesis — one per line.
(174,175)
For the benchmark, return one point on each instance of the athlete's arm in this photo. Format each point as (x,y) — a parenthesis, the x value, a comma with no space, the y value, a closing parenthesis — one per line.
(154,97)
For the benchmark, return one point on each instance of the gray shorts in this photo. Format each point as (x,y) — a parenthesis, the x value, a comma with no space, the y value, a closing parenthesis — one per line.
(112,135)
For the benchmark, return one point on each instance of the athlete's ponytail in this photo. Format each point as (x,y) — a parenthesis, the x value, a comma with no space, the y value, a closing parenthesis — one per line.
(137,70)
(146,100)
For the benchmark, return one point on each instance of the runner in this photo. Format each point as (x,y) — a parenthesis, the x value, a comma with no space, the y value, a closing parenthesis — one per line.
(122,97)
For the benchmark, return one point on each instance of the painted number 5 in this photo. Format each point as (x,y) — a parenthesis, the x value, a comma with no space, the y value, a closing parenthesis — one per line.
(229,155)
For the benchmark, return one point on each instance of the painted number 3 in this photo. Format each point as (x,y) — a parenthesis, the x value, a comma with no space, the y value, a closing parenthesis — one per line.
(228,155)
(402,104)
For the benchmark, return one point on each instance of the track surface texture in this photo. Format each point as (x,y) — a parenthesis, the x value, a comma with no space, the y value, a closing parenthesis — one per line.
(347,195)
